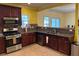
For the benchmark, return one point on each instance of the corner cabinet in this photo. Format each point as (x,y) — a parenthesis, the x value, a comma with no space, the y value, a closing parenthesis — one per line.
(2,45)
(28,38)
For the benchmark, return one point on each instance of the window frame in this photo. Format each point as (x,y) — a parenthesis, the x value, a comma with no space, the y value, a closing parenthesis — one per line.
(55,22)
(22,20)
(49,21)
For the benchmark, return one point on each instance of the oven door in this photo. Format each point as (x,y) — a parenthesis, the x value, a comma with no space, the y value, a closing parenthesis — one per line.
(18,40)
(9,43)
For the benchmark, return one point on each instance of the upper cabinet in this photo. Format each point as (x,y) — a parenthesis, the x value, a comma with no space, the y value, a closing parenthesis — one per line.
(4,11)
(15,12)
(8,11)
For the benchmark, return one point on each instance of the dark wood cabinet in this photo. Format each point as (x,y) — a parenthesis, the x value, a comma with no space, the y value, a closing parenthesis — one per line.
(41,39)
(59,43)
(52,42)
(64,45)
(16,12)
(4,11)
(2,46)
(28,38)
(9,11)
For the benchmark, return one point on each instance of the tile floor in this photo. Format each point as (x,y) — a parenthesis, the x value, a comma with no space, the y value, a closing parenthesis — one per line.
(35,50)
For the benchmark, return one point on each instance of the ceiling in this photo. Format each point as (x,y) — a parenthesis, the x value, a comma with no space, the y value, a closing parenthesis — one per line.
(65,8)
(36,6)
(42,6)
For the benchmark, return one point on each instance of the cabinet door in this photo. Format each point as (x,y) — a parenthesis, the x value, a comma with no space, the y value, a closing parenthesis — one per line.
(28,38)
(15,12)
(64,45)
(32,38)
(52,42)
(2,45)
(25,40)
(6,11)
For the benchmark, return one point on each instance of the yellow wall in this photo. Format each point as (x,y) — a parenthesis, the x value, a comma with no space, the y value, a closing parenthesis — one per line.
(70,18)
(41,14)
(65,18)
(31,13)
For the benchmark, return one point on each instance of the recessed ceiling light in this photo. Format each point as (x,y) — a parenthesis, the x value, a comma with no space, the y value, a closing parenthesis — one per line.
(28,3)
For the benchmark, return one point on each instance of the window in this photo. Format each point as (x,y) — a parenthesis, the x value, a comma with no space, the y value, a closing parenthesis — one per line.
(25,20)
(56,22)
(46,21)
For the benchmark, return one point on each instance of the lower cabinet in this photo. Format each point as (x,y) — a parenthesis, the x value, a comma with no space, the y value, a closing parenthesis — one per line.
(59,43)
(28,38)
(2,46)
(52,42)
(64,45)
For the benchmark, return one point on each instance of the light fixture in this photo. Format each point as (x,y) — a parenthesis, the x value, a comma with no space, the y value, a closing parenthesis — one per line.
(28,3)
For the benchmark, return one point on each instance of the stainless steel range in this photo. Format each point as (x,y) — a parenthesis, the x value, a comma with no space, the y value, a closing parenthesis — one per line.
(12,41)
(12,37)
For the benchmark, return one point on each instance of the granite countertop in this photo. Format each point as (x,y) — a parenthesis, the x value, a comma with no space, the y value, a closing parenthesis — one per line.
(65,35)
(58,34)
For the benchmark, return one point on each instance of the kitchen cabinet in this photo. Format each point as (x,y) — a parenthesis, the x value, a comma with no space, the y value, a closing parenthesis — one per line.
(5,11)
(53,42)
(41,39)
(2,45)
(64,45)
(28,38)
(15,12)
(59,43)
(9,11)
(56,42)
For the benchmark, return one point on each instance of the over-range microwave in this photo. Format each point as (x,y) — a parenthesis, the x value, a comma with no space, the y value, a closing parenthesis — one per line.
(10,20)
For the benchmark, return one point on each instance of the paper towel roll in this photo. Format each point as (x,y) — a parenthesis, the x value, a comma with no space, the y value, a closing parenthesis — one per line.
(47,39)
